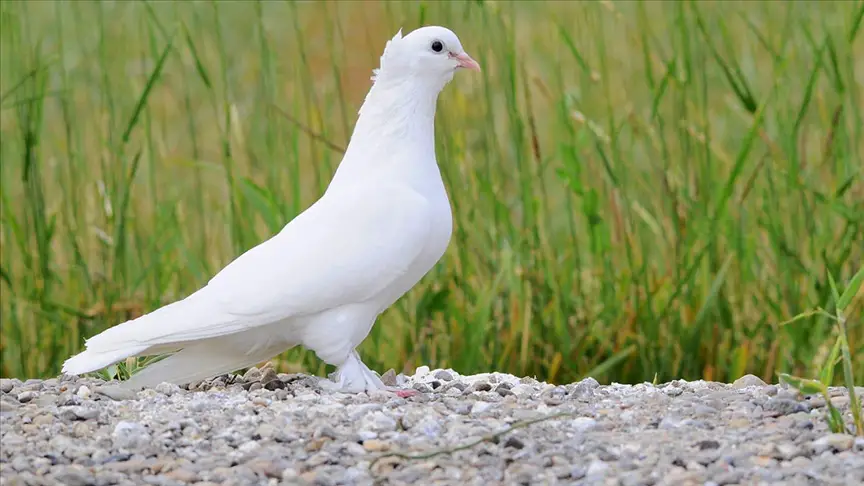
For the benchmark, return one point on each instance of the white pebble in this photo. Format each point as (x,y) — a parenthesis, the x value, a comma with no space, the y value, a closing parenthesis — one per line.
(480,407)
(583,424)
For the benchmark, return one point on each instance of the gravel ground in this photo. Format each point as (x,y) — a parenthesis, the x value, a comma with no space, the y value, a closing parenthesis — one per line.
(264,428)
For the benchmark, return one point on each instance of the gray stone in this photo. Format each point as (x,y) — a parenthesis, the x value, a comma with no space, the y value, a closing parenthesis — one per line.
(117,393)
(389,378)
(80,413)
(748,381)
(130,435)
(833,442)
(443,375)
(784,406)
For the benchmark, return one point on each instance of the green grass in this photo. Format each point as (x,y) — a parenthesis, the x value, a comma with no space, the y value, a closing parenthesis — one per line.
(640,190)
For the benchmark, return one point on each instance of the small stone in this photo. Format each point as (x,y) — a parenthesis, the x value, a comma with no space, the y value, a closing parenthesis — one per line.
(583,424)
(584,388)
(81,430)
(835,442)
(730,477)
(26,396)
(480,407)
(379,422)
(249,446)
(252,374)
(182,475)
(45,400)
(840,402)
(73,476)
(514,442)
(8,405)
(325,431)
(389,378)
(167,389)
(421,371)
(268,373)
(79,413)
(130,435)
(274,384)
(788,451)
(482,387)
(672,422)
(707,444)
(83,392)
(748,381)
(701,410)
(43,419)
(444,375)
(6,385)
(596,467)
(784,406)
(375,445)
(116,393)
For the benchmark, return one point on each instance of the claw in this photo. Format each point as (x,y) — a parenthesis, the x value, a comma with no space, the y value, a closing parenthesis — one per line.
(354,377)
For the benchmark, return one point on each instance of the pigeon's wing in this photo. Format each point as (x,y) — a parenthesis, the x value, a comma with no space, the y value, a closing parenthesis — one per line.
(341,250)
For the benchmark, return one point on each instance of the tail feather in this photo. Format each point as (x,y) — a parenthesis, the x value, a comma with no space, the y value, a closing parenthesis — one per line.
(90,360)
(153,333)
(199,362)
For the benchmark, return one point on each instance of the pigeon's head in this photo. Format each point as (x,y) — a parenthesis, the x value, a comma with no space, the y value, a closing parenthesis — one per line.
(429,53)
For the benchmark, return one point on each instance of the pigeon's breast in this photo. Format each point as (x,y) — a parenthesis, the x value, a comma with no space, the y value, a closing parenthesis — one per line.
(440,231)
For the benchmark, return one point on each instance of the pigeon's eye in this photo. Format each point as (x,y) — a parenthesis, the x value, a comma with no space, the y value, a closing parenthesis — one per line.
(437,46)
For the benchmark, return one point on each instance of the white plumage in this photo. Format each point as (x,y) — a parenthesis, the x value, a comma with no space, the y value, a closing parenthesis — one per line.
(321,282)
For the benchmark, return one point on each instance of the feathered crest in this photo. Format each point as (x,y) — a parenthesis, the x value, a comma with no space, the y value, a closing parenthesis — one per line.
(396,38)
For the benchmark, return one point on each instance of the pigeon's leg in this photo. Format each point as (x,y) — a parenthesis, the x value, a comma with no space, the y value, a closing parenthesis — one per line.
(353,376)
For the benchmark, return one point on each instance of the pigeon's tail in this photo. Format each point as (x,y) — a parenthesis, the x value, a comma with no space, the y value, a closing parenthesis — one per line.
(152,333)
(201,361)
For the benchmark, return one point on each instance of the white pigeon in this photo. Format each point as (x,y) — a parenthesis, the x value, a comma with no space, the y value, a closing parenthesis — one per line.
(321,282)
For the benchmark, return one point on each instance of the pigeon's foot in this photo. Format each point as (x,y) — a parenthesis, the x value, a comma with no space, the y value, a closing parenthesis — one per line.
(353,376)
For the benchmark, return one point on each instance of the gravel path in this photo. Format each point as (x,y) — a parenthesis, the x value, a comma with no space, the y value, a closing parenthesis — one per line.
(265,428)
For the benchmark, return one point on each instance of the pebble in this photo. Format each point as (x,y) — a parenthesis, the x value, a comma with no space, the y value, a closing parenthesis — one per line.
(80,413)
(784,406)
(835,442)
(130,435)
(264,427)
(443,375)
(117,393)
(583,424)
(83,392)
(748,381)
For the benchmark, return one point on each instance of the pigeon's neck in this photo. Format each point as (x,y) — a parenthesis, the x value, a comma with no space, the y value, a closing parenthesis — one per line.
(394,136)
(399,110)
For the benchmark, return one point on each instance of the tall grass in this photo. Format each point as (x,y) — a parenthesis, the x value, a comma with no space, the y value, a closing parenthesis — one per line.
(638,188)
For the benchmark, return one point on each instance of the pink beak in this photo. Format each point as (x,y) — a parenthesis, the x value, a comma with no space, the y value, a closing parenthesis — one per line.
(465,61)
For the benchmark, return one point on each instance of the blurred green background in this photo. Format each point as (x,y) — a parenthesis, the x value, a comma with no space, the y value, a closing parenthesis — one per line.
(639,188)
